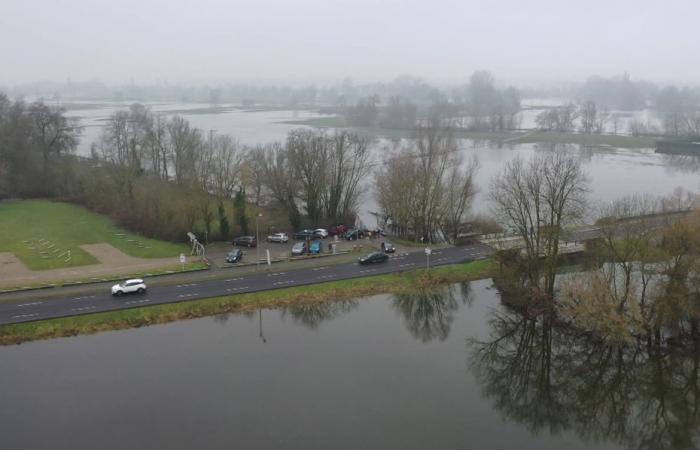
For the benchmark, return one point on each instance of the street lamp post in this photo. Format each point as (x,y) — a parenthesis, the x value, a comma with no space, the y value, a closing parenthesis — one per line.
(257,240)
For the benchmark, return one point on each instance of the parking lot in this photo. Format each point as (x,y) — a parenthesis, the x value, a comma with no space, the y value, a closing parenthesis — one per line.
(216,253)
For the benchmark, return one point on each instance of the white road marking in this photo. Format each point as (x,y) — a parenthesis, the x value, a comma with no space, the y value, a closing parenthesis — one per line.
(237,289)
(320,268)
(279,283)
(146,300)
(24,316)
(407,264)
(187,295)
(83,298)
(276,274)
(325,277)
(368,270)
(84,308)
(29,304)
(186,285)
(233,279)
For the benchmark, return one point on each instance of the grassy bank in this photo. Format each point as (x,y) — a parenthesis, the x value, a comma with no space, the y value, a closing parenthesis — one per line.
(594,140)
(506,137)
(338,290)
(41,232)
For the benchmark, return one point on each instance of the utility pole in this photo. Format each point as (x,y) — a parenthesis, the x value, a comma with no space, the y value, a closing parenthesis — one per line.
(257,240)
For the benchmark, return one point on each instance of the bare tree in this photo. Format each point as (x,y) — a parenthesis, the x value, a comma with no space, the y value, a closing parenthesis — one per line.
(347,165)
(308,154)
(460,190)
(280,180)
(537,198)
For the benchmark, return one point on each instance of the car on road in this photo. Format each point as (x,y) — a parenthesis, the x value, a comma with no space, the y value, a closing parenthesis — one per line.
(316,247)
(299,249)
(245,241)
(388,247)
(129,287)
(281,238)
(304,234)
(373,258)
(234,256)
(321,232)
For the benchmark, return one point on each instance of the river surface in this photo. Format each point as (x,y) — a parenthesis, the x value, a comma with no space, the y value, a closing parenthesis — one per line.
(613,172)
(444,369)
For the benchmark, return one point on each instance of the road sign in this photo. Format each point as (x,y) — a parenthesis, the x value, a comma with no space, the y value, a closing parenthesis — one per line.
(428,251)
(183,258)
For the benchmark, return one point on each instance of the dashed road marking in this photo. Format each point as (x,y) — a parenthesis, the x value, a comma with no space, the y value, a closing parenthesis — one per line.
(87,297)
(84,308)
(237,289)
(29,304)
(24,316)
(132,302)
(188,295)
(319,268)
(280,283)
(368,270)
(407,264)
(325,277)
(186,285)
(233,279)
(276,274)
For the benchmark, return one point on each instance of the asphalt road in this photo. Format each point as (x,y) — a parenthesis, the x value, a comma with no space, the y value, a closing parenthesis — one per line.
(72,305)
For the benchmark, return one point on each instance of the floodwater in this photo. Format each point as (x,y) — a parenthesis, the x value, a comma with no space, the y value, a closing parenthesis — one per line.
(444,369)
(613,172)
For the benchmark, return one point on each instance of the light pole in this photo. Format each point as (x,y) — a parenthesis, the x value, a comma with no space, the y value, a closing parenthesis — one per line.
(257,240)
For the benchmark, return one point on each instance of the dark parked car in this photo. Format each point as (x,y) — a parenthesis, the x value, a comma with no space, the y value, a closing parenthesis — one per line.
(353,234)
(245,241)
(234,256)
(375,257)
(299,249)
(388,247)
(304,234)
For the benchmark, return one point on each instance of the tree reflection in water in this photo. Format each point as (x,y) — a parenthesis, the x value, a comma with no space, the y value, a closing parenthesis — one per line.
(550,379)
(312,314)
(429,312)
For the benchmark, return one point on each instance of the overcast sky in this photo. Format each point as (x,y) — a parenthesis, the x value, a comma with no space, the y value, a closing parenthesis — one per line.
(521,41)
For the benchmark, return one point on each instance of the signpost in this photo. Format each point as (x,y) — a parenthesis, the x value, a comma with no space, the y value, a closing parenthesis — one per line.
(269,262)
(183,260)
(428,251)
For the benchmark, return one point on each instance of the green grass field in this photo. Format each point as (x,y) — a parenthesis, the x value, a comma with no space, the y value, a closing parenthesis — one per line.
(41,232)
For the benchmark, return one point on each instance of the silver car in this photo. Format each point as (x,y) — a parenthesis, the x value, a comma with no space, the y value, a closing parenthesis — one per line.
(281,238)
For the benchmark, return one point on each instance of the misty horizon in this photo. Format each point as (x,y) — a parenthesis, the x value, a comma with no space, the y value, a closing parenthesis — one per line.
(321,42)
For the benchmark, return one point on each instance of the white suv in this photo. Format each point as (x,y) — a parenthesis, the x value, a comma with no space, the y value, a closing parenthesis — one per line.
(129,286)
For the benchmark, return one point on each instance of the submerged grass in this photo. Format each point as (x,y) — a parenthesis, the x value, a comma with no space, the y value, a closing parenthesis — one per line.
(338,290)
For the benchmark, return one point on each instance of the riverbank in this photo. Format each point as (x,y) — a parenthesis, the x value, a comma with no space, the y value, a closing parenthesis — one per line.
(338,290)
(504,137)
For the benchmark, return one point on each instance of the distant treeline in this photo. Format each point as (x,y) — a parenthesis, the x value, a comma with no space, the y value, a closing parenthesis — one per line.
(614,93)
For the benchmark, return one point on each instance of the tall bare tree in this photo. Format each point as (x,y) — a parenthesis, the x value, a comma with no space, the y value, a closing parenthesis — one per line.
(537,198)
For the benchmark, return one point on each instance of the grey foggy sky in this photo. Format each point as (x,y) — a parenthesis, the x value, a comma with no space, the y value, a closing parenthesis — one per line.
(317,40)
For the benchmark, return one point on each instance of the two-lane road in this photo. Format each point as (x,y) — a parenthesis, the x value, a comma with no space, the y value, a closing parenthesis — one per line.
(50,308)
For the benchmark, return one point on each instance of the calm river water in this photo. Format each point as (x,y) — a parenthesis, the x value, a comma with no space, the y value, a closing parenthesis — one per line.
(614,172)
(445,369)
